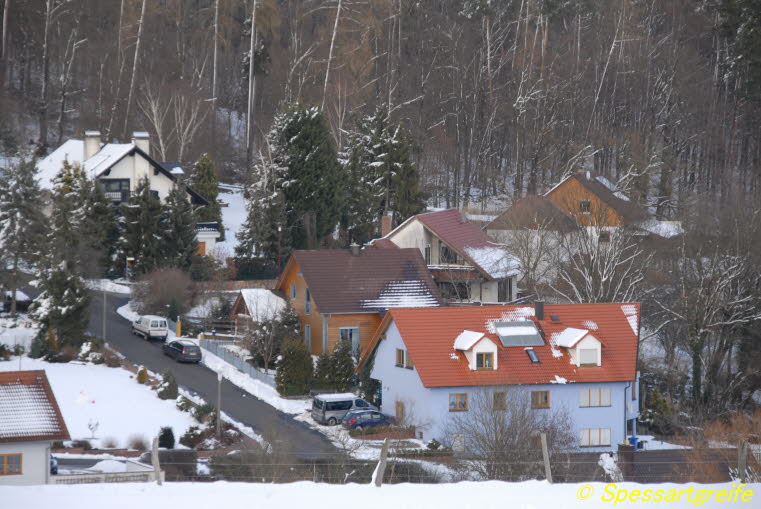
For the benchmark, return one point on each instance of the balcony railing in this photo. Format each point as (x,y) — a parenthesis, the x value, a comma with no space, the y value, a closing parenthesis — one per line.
(210,226)
(118,195)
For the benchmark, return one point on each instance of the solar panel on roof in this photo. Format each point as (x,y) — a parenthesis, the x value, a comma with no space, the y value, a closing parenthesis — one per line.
(532,355)
(555,318)
(521,333)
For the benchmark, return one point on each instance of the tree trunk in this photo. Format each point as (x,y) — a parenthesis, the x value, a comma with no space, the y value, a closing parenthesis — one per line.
(42,141)
(14,286)
(214,78)
(251,86)
(330,55)
(697,373)
(134,66)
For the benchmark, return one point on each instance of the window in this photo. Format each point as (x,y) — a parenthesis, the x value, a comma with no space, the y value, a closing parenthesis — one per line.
(308,336)
(485,360)
(350,334)
(505,290)
(447,255)
(594,437)
(458,401)
(540,399)
(532,355)
(338,405)
(293,291)
(585,206)
(154,324)
(361,403)
(588,357)
(10,464)
(500,401)
(427,255)
(594,397)
(400,358)
(408,361)
(604,236)
(307,301)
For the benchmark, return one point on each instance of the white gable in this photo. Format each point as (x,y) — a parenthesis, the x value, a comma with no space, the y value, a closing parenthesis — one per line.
(72,151)
(467,339)
(569,337)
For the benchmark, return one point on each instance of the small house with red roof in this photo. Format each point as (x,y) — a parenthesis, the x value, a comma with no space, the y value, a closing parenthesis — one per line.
(464,263)
(30,421)
(581,358)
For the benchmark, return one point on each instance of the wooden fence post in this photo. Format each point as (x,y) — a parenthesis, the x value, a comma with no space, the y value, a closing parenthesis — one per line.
(546,458)
(381,468)
(742,460)
(155,459)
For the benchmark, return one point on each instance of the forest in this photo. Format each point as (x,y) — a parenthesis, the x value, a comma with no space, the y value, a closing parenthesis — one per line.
(481,102)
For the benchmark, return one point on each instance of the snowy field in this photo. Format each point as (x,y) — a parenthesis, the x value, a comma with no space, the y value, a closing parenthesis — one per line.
(233,216)
(483,495)
(109,396)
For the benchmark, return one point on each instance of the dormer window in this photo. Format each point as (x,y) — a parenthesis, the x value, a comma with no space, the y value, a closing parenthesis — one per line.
(485,360)
(583,347)
(587,356)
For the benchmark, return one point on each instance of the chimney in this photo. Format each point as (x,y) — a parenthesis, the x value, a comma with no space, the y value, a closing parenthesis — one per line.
(386,224)
(354,249)
(539,309)
(142,140)
(92,144)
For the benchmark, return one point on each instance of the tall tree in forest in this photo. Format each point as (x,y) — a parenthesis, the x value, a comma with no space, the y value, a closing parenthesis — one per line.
(98,229)
(179,228)
(20,220)
(204,182)
(135,62)
(142,237)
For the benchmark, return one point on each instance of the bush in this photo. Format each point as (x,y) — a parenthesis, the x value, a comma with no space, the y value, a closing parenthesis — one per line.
(67,354)
(192,437)
(5,352)
(142,376)
(137,442)
(109,443)
(81,444)
(433,444)
(369,387)
(111,359)
(422,453)
(203,412)
(159,289)
(166,437)
(184,404)
(168,388)
(19,350)
(178,464)
(294,375)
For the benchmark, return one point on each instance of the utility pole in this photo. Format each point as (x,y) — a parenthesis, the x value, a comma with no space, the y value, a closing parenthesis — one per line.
(104,316)
(219,406)
(279,235)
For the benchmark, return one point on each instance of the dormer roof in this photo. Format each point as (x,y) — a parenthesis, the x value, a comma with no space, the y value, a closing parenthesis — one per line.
(467,340)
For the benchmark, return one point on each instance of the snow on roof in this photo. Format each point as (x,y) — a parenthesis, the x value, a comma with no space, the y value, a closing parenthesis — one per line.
(666,229)
(72,151)
(569,337)
(262,304)
(109,155)
(336,397)
(467,339)
(411,293)
(109,466)
(631,315)
(513,315)
(20,296)
(521,330)
(559,380)
(177,171)
(27,409)
(141,134)
(589,324)
(607,183)
(495,260)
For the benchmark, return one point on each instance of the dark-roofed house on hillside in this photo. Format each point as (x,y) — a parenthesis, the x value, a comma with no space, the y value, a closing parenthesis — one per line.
(465,264)
(343,293)
(29,421)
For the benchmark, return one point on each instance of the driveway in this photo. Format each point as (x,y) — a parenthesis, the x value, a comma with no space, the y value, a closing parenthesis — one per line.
(281,430)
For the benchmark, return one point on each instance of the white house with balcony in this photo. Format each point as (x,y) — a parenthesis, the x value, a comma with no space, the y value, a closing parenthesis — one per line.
(119,167)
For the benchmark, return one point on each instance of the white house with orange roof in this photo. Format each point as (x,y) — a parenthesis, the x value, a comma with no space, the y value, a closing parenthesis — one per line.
(581,358)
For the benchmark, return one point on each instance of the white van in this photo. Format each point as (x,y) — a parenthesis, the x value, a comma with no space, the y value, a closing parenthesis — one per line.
(150,327)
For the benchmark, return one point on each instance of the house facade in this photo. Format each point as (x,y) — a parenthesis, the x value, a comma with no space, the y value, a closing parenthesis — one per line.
(464,263)
(30,421)
(436,365)
(119,167)
(342,293)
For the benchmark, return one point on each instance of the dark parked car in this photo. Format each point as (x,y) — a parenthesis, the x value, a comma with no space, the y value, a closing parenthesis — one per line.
(53,466)
(183,351)
(360,419)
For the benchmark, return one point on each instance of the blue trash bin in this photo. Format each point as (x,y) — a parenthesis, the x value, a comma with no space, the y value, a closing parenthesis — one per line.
(633,441)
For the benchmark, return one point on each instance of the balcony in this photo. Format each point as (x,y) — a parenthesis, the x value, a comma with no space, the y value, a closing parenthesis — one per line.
(210,226)
(118,196)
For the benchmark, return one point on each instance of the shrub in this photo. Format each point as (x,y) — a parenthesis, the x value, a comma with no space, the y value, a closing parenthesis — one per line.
(109,443)
(137,442)
(81,444)
(166,437)
(369,387)
(294,374)
(422,453)
(168,387)
(433,444)
(111,359)
(66,354)
(5,352)
(19,350)
(192,437)
(203,412)
(184,404)
(178,464)
(142,376)
(58,444)
(159,289)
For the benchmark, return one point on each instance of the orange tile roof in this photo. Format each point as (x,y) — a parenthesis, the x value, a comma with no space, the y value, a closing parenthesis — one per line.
(28,408)
(429,336)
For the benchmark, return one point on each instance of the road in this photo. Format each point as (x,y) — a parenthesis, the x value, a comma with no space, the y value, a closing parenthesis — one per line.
(285,433)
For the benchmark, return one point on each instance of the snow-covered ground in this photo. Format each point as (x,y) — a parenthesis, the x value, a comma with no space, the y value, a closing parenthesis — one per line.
(20,331)
(127,312)
(233,216)
(107,285)
(492,494)
(651,443)
(89,393)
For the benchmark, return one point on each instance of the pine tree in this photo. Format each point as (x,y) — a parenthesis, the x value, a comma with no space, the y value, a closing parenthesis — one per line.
(322,369)
(341,374)
(20,220)
(204,181)
(98,229)
(142,237)
(294,371)
(179,224)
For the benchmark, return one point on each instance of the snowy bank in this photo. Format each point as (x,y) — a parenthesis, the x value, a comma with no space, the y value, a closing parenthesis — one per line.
(490,494)
(106,285)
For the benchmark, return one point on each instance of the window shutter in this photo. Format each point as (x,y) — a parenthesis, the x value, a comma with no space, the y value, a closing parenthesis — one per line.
(594,397)
(604,397)
(605,436)
(587,356)
(584,398)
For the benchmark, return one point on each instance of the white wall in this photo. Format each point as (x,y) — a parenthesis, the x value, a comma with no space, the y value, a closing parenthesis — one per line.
(136,167)
(35,463)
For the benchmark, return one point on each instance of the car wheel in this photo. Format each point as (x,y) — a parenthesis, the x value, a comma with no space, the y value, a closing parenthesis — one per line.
(332,422)
(358,428)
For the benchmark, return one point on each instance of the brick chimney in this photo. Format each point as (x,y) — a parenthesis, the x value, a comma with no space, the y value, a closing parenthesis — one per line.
(92,144)
(142,140)
(386,224)
(539,309)
(354,249)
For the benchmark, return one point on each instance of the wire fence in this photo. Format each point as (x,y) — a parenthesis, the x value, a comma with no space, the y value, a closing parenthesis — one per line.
(216,346)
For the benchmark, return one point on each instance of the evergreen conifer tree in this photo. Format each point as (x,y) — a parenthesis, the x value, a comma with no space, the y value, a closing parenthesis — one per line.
(341,374)
(20,220)
(98,230)
(180,241)
(204,181)
(322,375)
(143,234)
(294,371)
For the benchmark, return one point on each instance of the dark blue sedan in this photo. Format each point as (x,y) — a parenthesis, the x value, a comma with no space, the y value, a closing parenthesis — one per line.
(360,419)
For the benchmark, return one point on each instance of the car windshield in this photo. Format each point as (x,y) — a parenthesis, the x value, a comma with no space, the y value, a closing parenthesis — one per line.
(162,323)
